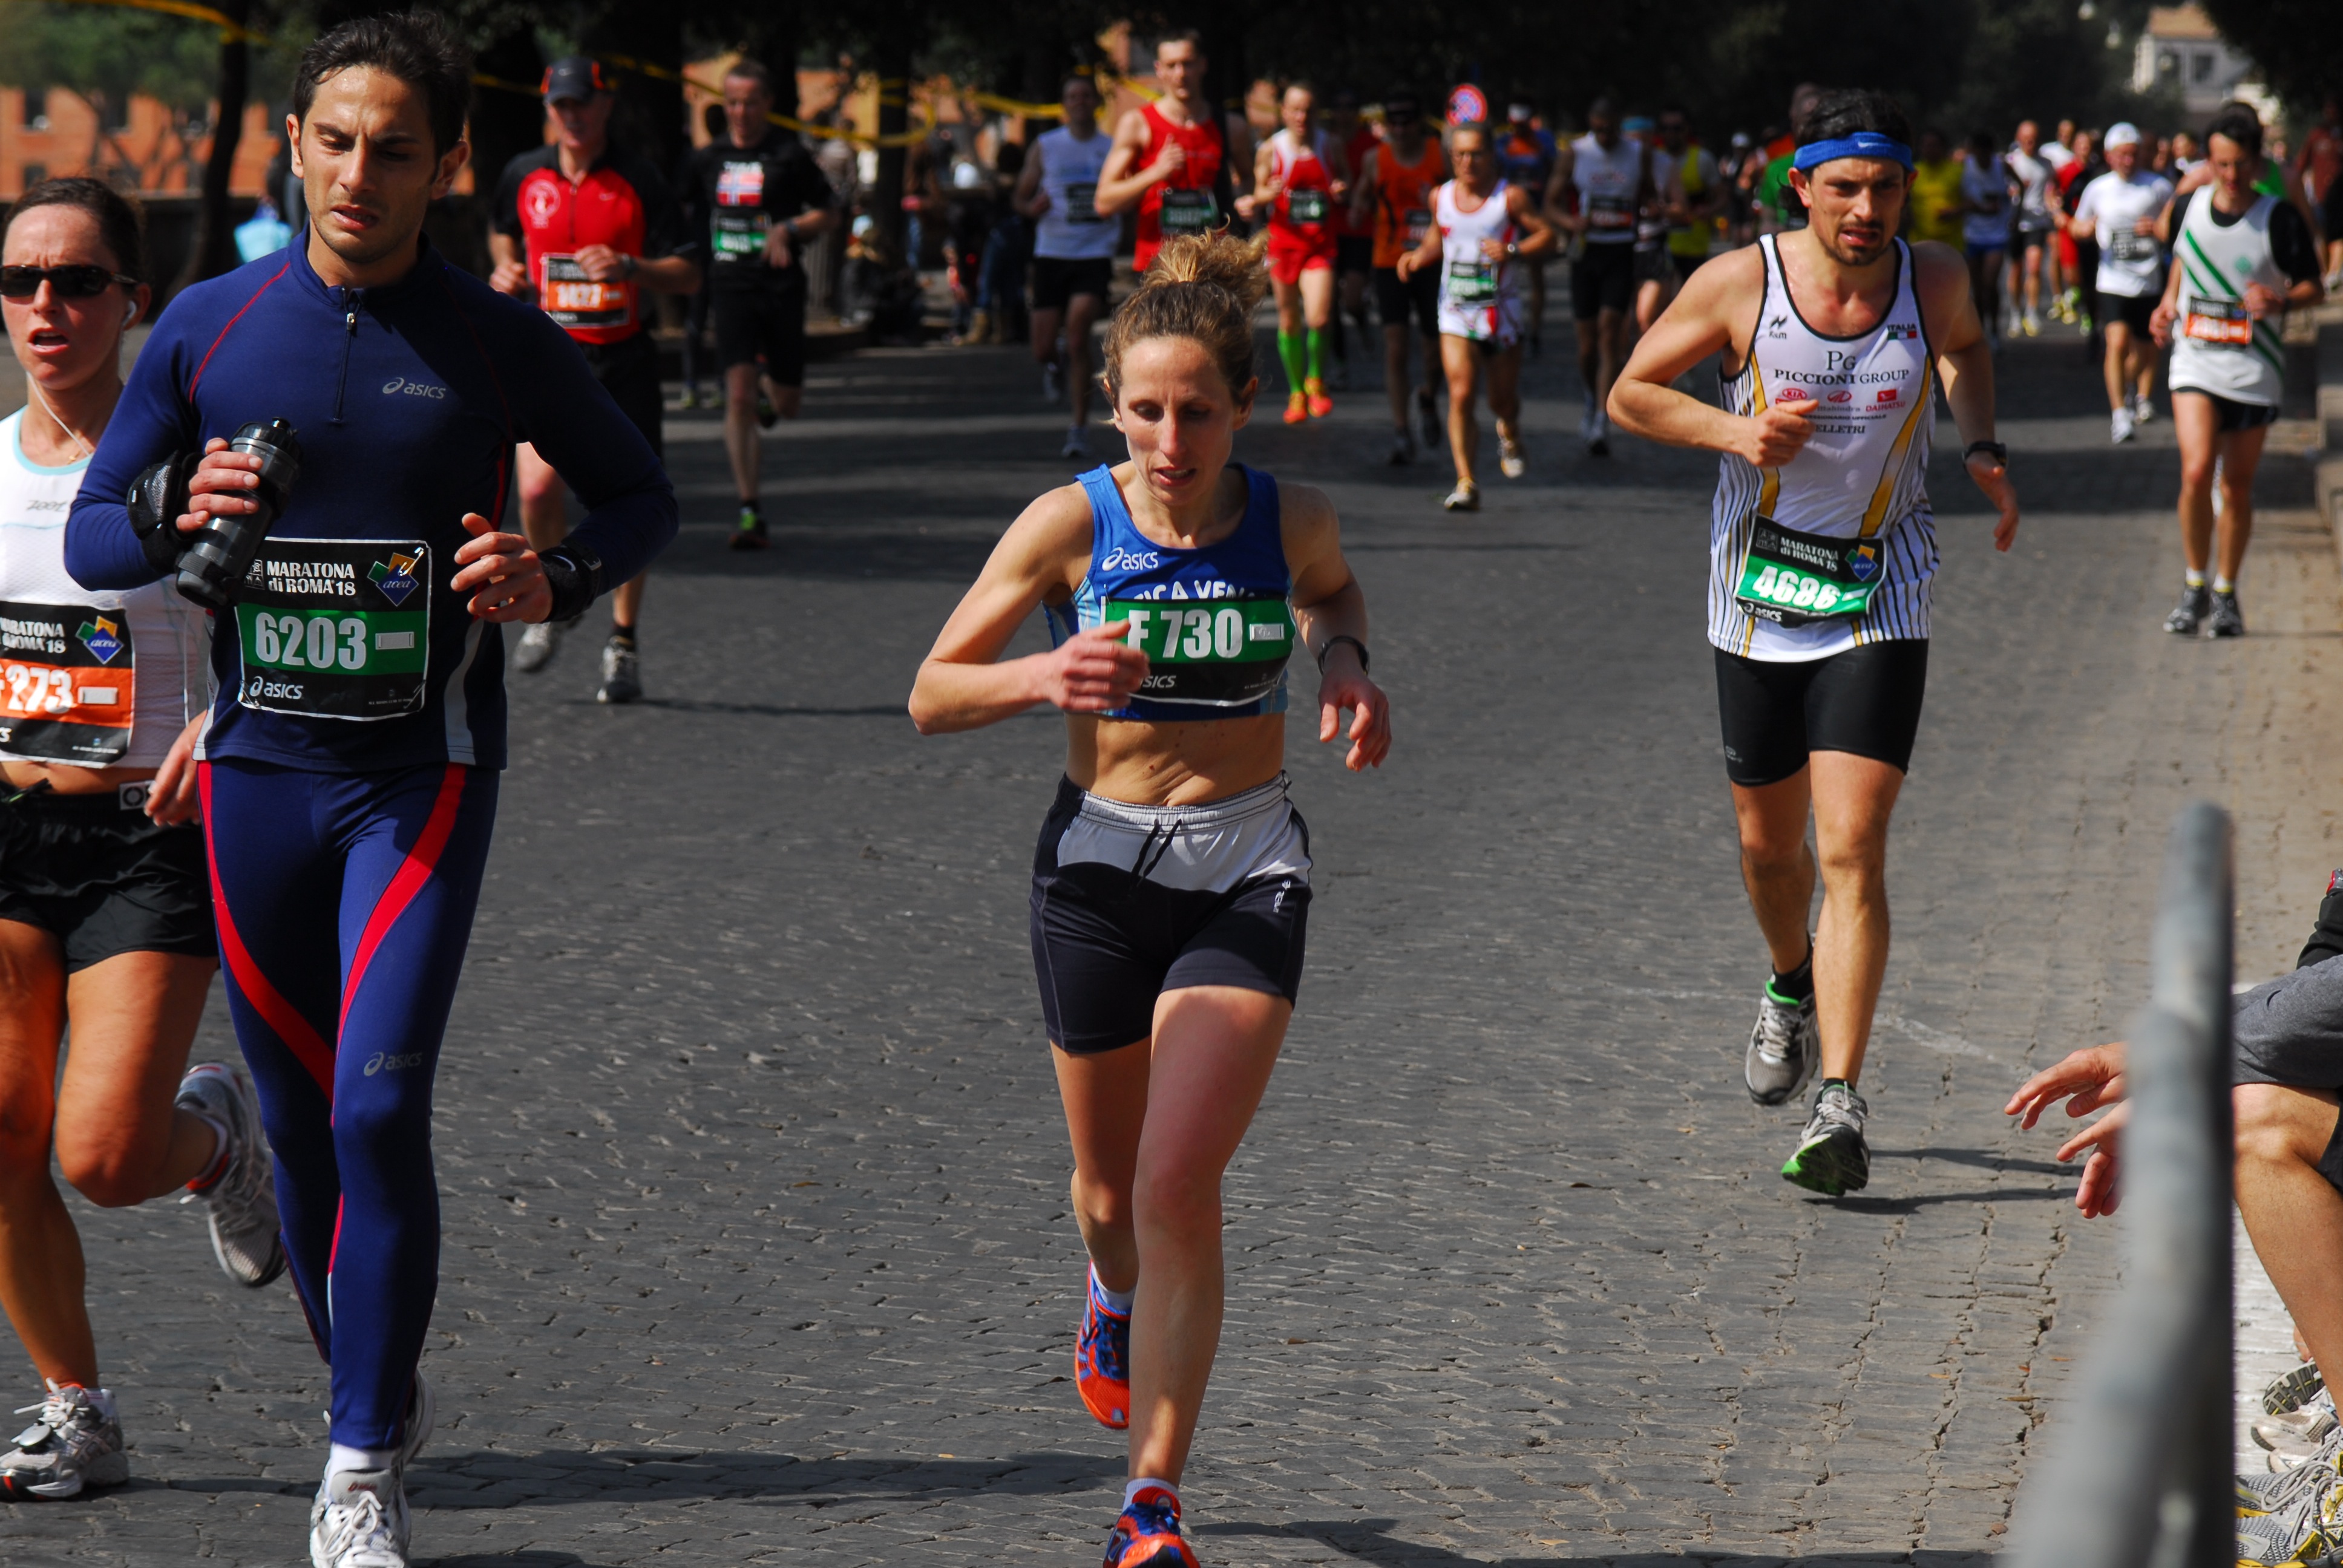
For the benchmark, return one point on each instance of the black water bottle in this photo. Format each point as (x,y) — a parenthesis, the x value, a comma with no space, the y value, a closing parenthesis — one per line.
(215,565)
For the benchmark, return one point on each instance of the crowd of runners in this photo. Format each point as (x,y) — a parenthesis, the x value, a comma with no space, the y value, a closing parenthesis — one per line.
(264,586)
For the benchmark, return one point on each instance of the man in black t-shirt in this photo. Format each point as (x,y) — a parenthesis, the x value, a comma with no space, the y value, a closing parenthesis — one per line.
(755,197)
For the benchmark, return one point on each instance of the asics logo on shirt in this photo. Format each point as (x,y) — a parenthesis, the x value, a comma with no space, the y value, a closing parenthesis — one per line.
(383,1061)
(1122,560)
(399,385)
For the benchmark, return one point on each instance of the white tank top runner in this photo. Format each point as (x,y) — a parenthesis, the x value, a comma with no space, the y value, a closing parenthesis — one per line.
(2217,347)
(1863,475)
(1072,229)
(1471,285)
(90,678)
(1606,181)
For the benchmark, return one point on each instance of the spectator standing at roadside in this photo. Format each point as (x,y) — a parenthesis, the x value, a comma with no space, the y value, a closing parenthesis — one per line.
(2319,166)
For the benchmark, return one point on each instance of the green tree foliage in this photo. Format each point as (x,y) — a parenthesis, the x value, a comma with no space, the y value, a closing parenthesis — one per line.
(2299,43)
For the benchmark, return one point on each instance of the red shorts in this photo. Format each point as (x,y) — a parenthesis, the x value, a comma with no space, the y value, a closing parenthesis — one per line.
(1291,253)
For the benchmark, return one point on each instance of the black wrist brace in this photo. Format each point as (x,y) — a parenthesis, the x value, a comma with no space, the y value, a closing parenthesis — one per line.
(157,499)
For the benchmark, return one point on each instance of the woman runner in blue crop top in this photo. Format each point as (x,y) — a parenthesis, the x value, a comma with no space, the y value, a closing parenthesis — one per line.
(1172,883)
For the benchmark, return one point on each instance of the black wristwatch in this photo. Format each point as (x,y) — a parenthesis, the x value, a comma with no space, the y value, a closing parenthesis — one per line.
(1354,641)
(2000,452)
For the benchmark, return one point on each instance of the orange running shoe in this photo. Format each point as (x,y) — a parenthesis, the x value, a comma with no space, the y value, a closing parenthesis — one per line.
(1102,1359)
(1148,1533)
(1313,392)
(1297,408)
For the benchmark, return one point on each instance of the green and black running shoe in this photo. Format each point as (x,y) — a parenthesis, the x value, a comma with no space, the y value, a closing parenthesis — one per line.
(1831,1156)
(750,534)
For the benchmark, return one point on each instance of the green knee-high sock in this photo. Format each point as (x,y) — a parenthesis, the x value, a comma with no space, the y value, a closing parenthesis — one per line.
(1288,352)
(1317,344)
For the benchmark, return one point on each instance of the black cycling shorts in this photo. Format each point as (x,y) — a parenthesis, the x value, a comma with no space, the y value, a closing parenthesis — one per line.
(1107,942)
(103,879)
(1777,713)
(762,325)
(1057,279)
(1355,253)
(1602,278)
(1420,294)
(2136,312)
(2229,415)
(628,371)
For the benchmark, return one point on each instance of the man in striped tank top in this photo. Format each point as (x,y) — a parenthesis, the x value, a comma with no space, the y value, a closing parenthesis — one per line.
(1833,340)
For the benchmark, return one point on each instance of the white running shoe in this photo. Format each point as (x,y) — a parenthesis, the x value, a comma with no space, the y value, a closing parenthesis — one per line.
(2142,408)
(2120,427)
(622,674)
(1078,444)
(538,644)
(359,1520)
(1509,462)
(75,1443)
(246,1236)
(1462,498)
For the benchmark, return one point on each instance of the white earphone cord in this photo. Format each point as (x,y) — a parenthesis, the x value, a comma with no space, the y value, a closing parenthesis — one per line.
(128,316)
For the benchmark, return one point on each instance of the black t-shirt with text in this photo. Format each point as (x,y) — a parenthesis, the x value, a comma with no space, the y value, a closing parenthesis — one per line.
(735,195)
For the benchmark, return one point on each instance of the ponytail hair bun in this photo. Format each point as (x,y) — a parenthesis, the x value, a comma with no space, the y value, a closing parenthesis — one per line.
(1204,287)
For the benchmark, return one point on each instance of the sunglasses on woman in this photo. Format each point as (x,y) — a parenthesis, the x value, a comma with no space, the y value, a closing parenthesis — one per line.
(78,282)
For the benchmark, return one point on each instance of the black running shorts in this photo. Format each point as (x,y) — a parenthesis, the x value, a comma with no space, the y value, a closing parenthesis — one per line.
(1602,278)
(1107,942)
(1355,253)
(628,371)
(2230,416)
(762,324)
(103,879)
(1057,279)
(2136,311)
(1420,294)
(1866,700)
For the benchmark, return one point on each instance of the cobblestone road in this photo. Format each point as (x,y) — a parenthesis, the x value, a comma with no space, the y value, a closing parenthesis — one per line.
(757,1247)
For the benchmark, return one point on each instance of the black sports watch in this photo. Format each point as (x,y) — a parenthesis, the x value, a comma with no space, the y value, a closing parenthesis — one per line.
(1342,637)
(2000,452)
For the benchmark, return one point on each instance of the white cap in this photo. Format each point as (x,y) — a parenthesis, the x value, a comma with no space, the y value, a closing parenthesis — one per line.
(2122,133)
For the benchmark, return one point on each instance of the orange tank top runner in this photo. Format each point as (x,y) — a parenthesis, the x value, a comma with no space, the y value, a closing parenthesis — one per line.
(1403,200)
(1184,203)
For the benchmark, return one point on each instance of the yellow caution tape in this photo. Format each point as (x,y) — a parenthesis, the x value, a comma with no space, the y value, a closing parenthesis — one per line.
(230,31)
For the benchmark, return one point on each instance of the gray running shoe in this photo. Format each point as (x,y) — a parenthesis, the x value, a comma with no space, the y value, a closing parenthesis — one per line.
(537,647)
(2292,1391)
(1786,1046)
(246,1236)
(2289,1449)
(77,1442)
(1078,444)
(1403,450)
(622,674)
(359,1520)
(2227,619)
(2306,1427)
(1832,1157)
(1054,383)
(2195,604)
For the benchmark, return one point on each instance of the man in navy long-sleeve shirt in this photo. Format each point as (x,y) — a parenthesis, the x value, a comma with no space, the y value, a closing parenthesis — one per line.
(349,766)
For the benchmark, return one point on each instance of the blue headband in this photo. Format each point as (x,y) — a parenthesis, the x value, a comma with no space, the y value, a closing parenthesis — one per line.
(1861,145)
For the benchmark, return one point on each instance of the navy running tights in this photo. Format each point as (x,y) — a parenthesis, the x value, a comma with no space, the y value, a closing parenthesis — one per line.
(345,902)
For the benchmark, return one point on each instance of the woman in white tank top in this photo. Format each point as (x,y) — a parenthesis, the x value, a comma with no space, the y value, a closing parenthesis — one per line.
(106,915)
(1484,229)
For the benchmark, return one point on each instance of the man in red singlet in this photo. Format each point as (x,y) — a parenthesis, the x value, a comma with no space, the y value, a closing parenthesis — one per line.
(587,230)
(1173,158)
(1393,194)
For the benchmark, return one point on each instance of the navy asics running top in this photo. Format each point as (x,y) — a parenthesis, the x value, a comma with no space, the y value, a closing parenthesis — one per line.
(409,400)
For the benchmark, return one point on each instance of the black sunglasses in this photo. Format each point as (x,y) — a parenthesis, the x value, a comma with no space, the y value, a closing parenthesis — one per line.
(80,282)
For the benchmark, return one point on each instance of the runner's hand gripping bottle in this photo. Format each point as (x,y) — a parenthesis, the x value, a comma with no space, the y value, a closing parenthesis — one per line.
(222,553)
